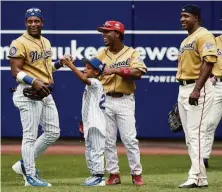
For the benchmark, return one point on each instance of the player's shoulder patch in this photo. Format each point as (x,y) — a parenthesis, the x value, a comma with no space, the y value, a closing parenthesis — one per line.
(209,45)
(12,51)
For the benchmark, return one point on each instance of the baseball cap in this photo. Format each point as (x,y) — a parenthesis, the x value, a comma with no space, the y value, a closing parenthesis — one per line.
(33,12)
(193,9)
(96,63)
(112,26)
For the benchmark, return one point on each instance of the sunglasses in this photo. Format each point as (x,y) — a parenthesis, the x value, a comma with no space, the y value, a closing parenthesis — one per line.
(36,10)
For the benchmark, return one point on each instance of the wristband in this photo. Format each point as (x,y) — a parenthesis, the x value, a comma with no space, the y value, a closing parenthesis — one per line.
(125,72)
(22,77)
(56,65)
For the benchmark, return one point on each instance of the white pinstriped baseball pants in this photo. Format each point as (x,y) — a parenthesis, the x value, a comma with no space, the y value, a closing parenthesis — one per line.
(194,120)
(214,119)
(120,113)
(95,147)
(33,113)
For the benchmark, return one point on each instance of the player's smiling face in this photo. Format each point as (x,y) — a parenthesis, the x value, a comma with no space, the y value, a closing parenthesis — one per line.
(90,72)
(34,26)
(109,37)
(187,20)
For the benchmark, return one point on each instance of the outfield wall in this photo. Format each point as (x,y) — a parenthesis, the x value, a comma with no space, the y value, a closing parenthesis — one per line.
(71,28)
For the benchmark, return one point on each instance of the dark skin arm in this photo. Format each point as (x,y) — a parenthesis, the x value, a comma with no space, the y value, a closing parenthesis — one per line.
(204,75)
(134,73)
(17,66)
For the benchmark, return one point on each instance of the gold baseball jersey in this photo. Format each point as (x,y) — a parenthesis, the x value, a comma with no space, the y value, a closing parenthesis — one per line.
(217,70)
(127,57)
(36,54)
(199,46)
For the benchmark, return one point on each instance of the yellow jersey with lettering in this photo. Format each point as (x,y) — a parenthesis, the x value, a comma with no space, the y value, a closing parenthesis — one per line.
(127,57)
(217,70)
(199,46)
(36,54)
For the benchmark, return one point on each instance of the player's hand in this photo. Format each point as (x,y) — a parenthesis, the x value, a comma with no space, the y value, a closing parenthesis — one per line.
(65,58)
(194,97)
(81,129)
(108,71)
(41,87)
(213,80)
(67,62)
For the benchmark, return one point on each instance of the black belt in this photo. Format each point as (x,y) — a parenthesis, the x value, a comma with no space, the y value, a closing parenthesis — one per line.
(116,94)
(186,82)
(218,79)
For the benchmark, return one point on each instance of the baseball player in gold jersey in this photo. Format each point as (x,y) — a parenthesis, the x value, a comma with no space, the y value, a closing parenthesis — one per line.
(123,66)
(195,62)
(31,65)
(216,109)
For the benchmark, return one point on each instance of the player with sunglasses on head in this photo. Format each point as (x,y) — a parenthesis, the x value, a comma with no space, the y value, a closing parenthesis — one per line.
(32,67)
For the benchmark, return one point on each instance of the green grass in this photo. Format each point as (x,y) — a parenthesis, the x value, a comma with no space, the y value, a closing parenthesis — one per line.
(66,173)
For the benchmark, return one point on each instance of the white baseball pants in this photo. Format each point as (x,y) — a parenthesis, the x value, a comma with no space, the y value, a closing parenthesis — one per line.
(95,147)
(214,119)
(120,113)
(33,113)
(194,121)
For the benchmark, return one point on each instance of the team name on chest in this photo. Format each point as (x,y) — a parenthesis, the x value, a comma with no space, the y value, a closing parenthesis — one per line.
(35,55)
(189,46)
(119,64)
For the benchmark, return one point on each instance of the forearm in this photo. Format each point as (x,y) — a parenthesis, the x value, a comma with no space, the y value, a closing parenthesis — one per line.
(204,75)
(18,73)
(16,66)
(56,65)
(80,75)
(129,73)
(15,72)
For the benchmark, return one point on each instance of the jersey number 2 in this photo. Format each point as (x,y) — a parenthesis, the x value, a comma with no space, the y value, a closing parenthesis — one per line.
(102,101)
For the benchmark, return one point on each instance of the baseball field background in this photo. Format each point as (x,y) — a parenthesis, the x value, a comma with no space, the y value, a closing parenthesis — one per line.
(153,28)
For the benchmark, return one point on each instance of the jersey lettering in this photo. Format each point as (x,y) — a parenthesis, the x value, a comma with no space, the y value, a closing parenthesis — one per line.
(121,64)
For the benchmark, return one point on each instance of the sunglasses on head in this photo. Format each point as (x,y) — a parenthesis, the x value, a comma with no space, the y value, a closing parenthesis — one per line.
(33,10)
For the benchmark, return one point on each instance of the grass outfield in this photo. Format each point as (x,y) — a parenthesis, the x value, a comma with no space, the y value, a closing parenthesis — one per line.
(66,173)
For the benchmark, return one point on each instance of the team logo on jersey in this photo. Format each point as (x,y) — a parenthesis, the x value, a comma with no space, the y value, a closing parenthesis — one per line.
(121,64)
(189,46)
(12,51)
(208,46)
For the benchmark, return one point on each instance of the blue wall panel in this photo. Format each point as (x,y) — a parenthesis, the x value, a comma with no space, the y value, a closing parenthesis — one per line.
(155,94)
